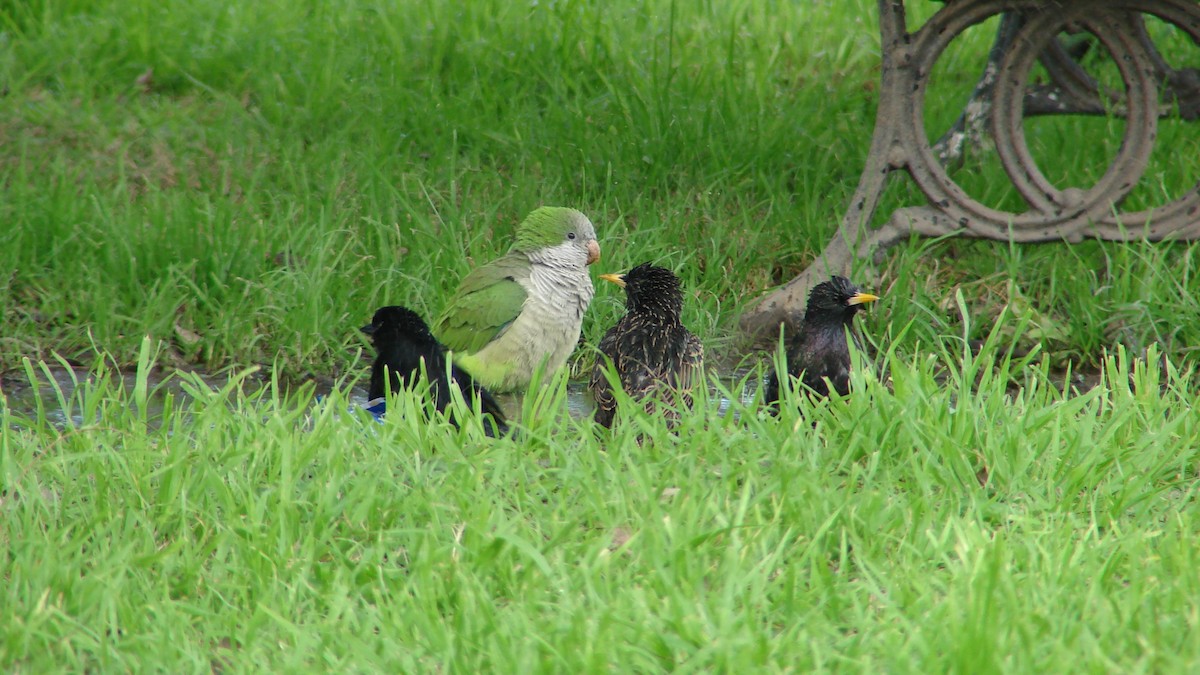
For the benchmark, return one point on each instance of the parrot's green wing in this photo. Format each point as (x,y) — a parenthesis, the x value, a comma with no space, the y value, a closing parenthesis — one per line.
(486,303)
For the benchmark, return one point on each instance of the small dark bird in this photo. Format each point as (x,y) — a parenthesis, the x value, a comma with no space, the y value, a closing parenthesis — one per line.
(819,354)
(402,343)
(649,348)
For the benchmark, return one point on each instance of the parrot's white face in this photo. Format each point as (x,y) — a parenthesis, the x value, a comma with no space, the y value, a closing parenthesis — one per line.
(578,248)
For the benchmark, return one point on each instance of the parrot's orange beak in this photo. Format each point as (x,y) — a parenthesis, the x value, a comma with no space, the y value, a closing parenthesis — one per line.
(593,251)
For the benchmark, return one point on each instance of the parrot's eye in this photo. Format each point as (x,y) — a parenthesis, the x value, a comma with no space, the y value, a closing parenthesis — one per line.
(570,235)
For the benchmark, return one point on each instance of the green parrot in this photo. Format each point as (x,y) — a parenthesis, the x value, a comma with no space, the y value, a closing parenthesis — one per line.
(524,309)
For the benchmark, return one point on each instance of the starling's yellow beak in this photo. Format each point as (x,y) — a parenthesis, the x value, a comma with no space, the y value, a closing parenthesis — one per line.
(861,298)
(618,279)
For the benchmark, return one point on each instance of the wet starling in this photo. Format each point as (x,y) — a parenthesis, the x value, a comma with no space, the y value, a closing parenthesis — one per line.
(819,354)
(402,342)
(649,348)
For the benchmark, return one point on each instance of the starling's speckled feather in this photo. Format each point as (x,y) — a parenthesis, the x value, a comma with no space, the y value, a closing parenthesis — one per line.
(820,354)
(651,351)
(403,342)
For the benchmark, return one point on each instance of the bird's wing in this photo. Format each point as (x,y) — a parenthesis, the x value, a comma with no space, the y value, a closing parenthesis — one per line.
(488,300)
(825,355)
(641,372)
(488,405)
(690,364)
(606,403)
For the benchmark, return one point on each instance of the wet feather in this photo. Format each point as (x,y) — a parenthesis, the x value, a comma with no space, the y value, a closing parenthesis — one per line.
(819,355)
(404,346)
(654,356)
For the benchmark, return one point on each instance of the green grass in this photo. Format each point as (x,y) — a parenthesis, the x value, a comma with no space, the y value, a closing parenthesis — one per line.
(285,168)
(933,523)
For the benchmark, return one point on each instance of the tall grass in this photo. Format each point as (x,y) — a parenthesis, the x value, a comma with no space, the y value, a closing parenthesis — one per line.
(244,183)
(939,519)
(238,186)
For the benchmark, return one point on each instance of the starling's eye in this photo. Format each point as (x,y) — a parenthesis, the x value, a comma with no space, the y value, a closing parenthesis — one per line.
(570,235)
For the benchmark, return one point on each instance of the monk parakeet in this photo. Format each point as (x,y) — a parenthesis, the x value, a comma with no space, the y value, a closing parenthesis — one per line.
(403,345)
(820,351)
(524,309)
(652,353)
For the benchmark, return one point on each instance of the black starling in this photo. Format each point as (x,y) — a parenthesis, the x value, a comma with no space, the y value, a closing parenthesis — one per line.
(402,342)
(649,348)
(820,354)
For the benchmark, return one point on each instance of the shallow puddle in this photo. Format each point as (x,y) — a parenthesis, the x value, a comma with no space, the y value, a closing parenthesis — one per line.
(53,394)
(56,386)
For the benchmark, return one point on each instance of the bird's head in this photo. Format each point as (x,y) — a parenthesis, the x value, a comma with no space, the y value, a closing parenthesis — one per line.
(558,234)
(398,323)
(836,300)
(650,289)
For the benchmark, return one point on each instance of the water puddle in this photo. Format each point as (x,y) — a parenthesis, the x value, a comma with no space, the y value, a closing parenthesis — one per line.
(53,393)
